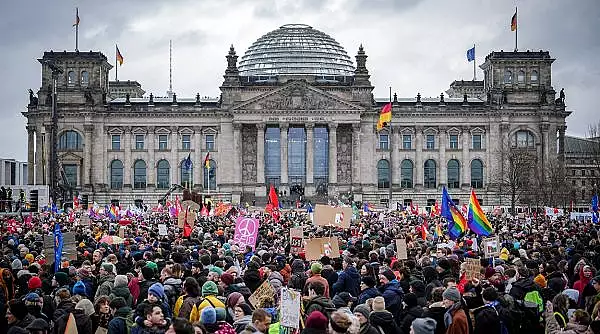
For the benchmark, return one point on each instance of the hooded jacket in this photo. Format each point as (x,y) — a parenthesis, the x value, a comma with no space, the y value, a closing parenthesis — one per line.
(348,281)
(552,326)
(82,321)
(393,295)
(385,321)
(319,303)
(367,293)
(118,323)
(521,287)
(436,312)
(122,291)
(240,324)
(172,288)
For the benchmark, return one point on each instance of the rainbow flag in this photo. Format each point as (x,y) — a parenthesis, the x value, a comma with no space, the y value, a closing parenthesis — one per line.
(385,116)
(457,224)
(478,222)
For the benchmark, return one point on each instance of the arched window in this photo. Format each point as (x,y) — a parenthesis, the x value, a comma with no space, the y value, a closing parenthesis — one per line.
(383,174)
(524,139)
(476,174)
(85,78)
(521,77)
(210,175)
(186,174)
(406,174)
(70,140)
(453,174)
(71,78)
(139,174)
(507,77)
(162,174)
(534,76)
(116,174)
(429,175)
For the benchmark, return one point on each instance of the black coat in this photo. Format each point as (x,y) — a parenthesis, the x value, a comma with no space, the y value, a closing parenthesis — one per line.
(487,320)
(408,316)
(385,321)
(82,321)
(436,313)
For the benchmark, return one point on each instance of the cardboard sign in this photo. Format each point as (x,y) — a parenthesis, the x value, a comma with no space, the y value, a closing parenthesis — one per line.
(162,229)
(316,248)
(290,308)
(122,232)
(191,218)
(473,268)
(246,232)
(296,239)
(69,247)
(325,215)
(401,249)
(264,290)
(491,247)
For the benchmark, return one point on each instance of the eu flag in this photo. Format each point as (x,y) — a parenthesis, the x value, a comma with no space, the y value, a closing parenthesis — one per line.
(595,209)
(187,163)
(471,54)
(58,246)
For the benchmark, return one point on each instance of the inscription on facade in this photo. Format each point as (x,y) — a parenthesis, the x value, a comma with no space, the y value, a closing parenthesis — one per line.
(296,119)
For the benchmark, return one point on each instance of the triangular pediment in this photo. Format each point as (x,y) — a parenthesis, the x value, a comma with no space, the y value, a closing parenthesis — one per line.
(297,95)
(70,157)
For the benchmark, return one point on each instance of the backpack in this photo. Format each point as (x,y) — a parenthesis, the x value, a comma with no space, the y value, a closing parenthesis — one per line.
(129,322)
(195,313)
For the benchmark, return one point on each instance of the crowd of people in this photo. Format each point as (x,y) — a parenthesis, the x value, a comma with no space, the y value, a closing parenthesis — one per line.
(543,279)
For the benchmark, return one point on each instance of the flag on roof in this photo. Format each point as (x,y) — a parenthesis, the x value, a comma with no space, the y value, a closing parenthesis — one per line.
(513,22)
(76,18)
(471,54)
(119,56)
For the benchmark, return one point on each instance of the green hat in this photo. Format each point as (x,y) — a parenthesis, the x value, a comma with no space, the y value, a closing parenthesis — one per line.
(316,267)
(151,265)
(217,270)
(209,288)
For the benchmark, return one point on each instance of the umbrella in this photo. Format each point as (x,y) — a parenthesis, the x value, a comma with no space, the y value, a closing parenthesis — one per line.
(111,240)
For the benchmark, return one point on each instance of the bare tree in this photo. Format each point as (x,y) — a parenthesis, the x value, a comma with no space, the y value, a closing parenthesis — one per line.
(594,156)
(517,175)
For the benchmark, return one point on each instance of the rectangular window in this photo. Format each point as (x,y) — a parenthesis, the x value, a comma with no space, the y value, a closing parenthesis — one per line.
(162,142)
(430,142)
(210,142)
(476,142)
(116,142)
(71,174)
(583,183)
(186,142)
(384,142)
(139,142)
(574,172)
(454,142)
(406,142)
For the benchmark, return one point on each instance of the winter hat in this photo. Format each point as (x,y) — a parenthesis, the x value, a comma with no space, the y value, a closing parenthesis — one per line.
(152,265)
(317,320)
(147,273)
(540,280)
(369,281)
(378,304)
(316,268)
(34,283)
(32,299)
(121,280)
(108,267)
(504,254)
(489,272)
(18,308)
(216,270)
(61,278)
(38,324)
(79,289)
(227,278)
(424,326)
(158,290)
(444,264)
(452,294)
(209,288)
(83,273)
(208,316)
(85,305)
(363,309)
(410,299)
(221,313)
(234,298)
(16,264)
(389,275)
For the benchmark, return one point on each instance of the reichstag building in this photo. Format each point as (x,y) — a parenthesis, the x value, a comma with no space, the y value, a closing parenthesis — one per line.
(298,112)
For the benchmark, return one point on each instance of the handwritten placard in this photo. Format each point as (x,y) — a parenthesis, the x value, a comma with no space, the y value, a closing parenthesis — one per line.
(290,308)
(162,229)
(472,268)
(318,247)
(264,290)
(401,249)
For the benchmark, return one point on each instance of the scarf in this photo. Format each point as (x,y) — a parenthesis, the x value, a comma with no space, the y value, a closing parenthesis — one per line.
(448,314)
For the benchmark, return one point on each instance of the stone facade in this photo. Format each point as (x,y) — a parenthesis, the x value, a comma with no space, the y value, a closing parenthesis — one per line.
(518,109)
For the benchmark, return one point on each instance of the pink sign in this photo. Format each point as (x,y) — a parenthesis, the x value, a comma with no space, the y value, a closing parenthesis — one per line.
(246,231)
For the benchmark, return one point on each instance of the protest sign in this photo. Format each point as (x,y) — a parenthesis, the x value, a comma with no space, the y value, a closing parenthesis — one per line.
(290,308)
(472,268)
(316,248)
(491,247)
(69,247)
(162,229)
(264,290)
(325,215)
(296,236)
(246,231)
(185,215)
(401,249)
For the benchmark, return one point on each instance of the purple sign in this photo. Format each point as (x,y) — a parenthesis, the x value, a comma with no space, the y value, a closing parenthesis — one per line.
(246,231)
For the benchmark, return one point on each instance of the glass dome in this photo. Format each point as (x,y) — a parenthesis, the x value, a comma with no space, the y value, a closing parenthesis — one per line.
(296,49)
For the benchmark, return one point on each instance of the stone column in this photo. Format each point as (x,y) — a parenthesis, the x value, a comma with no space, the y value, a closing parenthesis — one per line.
(310,146)
(151,157)
(442,172)
(466,163)
(545,143)
(561,142)
(88,130)
(100,170)
(395,155)
(127,164)
(356,158)
(283,142)
(419,157)
(237,159)
(45,166)
(30,155)
(260,190)
(175,165)
(332,155)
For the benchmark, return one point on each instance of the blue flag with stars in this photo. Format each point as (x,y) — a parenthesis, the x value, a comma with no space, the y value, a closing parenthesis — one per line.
(471,54)
(595,209)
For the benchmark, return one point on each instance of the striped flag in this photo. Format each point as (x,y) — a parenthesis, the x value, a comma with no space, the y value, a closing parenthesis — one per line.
(513,22)
(76,24)
(119,57)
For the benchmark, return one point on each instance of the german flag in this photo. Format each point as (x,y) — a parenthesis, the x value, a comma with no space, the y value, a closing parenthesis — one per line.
(76,17)
(385,116)
(119,56)
(513,22)
(207,161)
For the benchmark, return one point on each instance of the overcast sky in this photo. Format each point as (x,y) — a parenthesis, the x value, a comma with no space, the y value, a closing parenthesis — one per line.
(413,46)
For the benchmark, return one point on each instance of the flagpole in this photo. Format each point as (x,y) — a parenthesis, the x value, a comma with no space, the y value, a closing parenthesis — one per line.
(77,29)
(516,29)
(207,179)
(474,65)
(390,140)
(116,65)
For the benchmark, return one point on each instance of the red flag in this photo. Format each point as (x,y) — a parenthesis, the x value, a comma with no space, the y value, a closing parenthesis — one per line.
(204,212)
(273,199)
(424,229)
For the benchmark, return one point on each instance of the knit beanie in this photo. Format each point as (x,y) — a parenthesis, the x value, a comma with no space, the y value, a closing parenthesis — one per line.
(216,270)
(221,313)
(424,326)
(316,268)
(61,278)
(158,290)
(452,294)
(108,267)
(208,316)
(147,273)
(234,298)
(18,309)
(363,309)
(369,281)
(209,288)
(29,257)
(16,264)
(378,304)
(32,299)
(85,305)
(152,265)
(121,280)
(34,283)
(79,289)
(227,278)
(389,275)
(317,320)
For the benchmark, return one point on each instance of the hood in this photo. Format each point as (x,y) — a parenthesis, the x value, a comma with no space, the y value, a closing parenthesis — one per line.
(353,273)
(123,312)
(380,317)
(121,291)
(172,281)
(297,266)
(524,283)
(322,301)
(243,321)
